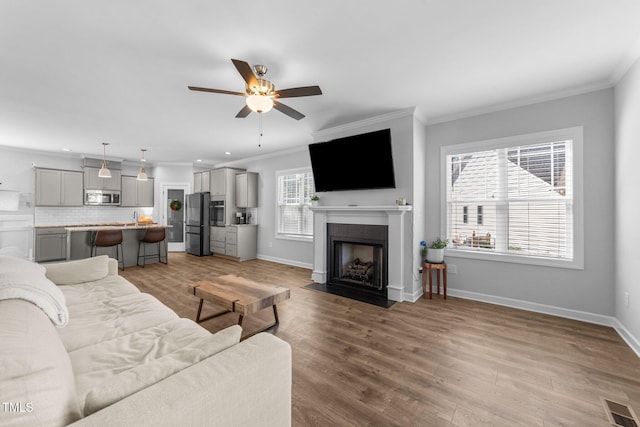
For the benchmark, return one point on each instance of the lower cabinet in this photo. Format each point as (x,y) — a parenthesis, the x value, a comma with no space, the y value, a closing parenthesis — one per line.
(218,240)
(241,241)
(51,244)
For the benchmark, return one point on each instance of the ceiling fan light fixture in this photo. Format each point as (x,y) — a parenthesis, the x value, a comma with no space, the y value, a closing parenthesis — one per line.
(142,175)
(104,171)
(260,103)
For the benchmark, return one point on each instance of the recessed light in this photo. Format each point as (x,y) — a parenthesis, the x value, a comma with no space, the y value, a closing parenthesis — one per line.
(66,149)
(199,160)
(227,153)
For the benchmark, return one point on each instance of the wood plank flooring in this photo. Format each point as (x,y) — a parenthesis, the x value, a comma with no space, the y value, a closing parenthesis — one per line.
(431,363)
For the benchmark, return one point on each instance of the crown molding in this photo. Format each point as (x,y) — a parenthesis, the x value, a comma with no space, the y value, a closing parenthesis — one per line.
(520,103)
(325,133)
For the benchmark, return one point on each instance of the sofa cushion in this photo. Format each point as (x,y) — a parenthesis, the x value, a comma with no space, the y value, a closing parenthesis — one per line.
(99,290)
(116,369)
(102,320)
(79,271)
(35,369)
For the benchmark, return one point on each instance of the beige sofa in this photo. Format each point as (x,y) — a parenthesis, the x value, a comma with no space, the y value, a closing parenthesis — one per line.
(93,350)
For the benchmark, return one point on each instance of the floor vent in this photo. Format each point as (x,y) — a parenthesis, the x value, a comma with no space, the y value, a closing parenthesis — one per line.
(619,414)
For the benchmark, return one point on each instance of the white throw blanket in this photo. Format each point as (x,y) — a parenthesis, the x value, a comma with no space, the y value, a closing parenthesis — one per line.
(20,279)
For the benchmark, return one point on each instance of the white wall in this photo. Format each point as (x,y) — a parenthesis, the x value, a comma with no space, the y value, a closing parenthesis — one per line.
(401,125)
(627,231)
(586,294)
(271,247)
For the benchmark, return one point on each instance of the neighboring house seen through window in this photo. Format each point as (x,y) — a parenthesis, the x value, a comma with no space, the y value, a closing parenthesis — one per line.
(294,191)
(524,192)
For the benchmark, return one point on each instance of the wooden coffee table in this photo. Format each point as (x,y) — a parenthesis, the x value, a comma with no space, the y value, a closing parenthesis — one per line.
(238,295)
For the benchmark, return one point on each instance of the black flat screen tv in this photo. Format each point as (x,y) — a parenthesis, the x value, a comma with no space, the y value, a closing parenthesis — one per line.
(359,162)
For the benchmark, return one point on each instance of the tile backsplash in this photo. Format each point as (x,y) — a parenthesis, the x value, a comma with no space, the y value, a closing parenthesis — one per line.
(86,214)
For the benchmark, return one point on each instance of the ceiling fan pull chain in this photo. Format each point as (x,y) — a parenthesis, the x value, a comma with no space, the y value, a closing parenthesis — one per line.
(260,130)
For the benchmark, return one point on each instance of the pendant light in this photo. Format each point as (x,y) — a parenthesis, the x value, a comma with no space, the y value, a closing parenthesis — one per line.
(104,170)
(142,175)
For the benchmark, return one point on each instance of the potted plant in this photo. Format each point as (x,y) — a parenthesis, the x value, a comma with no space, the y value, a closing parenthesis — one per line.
(435,254)
(314,200)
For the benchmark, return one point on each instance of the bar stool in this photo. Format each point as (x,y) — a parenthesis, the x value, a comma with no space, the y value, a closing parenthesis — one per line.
(106,239)
(438,267)
(153,235)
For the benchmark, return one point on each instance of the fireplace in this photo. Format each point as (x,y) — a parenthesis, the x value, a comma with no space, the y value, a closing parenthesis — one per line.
(357,257)
(398,258)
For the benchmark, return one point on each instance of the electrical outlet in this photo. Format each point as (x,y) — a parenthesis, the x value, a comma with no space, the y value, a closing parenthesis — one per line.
(626,299)
(452,268)
(270,244)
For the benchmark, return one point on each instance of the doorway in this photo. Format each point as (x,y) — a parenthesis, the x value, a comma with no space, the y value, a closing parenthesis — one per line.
(173,214)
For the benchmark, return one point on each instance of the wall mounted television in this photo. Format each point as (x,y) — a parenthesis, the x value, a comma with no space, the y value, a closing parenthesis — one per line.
(359,162)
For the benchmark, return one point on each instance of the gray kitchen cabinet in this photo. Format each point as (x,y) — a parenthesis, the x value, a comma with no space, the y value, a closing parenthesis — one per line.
(218,240)
(51,244)
(136,193)
(218,182)
(205,181)
(201,182)
(247,190)
(55,187)
(223,182)
(93,182)
(241,241)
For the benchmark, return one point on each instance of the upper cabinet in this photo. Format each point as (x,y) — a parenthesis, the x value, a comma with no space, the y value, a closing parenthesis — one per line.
(247,190)
(223,183)
(93,182)
(218,182)
(201,182)
(56,187)
(136,193)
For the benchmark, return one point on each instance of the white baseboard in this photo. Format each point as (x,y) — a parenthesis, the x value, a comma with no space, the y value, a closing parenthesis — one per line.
(631,341)
(286,262)
(538,308)
(584,316)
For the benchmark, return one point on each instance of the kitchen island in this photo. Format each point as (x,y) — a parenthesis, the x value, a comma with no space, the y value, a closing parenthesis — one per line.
(80,238)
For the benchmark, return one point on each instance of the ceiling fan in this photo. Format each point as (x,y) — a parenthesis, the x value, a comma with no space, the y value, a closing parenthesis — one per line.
(261,94)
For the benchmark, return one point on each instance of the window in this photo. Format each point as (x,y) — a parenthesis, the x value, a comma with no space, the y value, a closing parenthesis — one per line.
(525,192)
(294,191)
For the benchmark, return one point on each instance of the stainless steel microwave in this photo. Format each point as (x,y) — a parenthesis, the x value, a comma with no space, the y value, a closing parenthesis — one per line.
(101,197)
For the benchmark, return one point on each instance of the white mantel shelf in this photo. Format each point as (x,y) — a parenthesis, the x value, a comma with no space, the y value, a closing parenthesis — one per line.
(356,208)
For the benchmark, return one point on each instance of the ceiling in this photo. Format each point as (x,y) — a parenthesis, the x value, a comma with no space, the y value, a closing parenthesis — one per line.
(75,73)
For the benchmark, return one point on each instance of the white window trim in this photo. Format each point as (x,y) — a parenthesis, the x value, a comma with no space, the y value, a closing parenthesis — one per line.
(285,236)
(576,135)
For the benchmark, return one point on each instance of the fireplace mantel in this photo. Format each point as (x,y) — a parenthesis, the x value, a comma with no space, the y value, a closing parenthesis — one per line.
(356,208)
(394,216)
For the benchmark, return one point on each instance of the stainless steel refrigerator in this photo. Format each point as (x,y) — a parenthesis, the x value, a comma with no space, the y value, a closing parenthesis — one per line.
(197,238)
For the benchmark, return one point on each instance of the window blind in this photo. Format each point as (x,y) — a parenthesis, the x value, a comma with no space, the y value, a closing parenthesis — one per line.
(522,198)
(294,199)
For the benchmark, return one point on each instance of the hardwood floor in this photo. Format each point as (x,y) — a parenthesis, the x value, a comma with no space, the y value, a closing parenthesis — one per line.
(431,363)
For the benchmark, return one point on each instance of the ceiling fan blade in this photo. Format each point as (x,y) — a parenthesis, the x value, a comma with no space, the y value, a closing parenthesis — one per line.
(299,91)
(246,72)
(288,110)
(226,92)
(244,112)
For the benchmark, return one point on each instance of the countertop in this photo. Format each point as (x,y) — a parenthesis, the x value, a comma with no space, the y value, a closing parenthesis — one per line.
(114,225)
